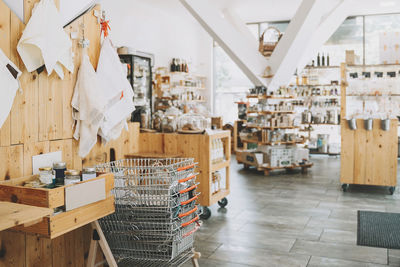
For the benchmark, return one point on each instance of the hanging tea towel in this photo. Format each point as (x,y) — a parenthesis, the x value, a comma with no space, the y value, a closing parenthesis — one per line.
(44,41)
(9,75)
(88,104)
(117,90)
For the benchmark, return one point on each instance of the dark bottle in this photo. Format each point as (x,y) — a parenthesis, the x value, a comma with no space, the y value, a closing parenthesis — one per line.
(318,61)
(183,65)
(178,65)
(173,65)
(323,59)
(327,59)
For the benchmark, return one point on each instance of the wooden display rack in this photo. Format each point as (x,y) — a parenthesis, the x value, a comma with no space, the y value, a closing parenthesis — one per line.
(199,147)
(367,157)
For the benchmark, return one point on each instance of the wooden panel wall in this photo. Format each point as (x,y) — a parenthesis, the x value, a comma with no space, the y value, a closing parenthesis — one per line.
(41,121)
(41,117)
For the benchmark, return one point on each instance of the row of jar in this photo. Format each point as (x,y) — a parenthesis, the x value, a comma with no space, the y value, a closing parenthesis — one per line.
(59,175)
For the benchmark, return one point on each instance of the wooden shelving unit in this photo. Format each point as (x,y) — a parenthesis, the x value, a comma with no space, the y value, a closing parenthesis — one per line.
(249,158)
(199,147)
(368,157)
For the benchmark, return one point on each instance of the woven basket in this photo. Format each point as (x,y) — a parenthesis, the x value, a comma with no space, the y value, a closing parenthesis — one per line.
(266,47)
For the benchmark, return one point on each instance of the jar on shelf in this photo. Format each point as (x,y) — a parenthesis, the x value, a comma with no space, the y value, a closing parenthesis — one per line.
(168,124)
(59,169)
(72,177)
(88,173)
(46,175)
(192,122)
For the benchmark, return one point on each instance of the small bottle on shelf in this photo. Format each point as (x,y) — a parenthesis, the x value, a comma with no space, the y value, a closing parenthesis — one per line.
(318,60)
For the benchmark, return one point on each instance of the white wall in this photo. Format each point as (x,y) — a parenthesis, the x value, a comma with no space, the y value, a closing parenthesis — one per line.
(163,28)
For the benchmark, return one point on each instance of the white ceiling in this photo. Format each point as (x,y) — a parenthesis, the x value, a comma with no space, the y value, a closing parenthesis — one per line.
(276,10)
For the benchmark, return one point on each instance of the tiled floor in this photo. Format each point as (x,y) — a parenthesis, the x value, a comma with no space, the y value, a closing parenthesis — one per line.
(293,220)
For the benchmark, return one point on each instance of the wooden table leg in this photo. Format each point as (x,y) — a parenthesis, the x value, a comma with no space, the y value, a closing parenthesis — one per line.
(304,170)
(195,258)
(266,172)
(98,238)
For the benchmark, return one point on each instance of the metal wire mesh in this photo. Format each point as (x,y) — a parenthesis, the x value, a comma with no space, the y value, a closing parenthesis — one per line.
(155,210)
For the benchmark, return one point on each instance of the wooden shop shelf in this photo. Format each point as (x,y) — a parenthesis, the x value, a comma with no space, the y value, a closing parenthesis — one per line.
(271,143)
(220,165)
(55,225)
(269,97)
(269,112)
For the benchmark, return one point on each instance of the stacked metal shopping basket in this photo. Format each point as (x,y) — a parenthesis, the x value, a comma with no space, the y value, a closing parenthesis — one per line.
(155,211)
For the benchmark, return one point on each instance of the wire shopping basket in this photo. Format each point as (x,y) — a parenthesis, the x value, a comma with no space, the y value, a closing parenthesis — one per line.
(156,214)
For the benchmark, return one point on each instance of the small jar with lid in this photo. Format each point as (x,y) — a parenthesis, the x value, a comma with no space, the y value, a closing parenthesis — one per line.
(72,177)
(60,168)
(88,173)
(46,175)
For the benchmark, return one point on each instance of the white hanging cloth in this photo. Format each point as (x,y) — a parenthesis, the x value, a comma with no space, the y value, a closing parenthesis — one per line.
(44,41)
(89,105)
(117,90)
(9,75)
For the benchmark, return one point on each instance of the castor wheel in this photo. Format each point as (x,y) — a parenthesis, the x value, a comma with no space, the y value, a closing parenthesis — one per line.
(206,213)
(391,189)
(344,187)
(223,202)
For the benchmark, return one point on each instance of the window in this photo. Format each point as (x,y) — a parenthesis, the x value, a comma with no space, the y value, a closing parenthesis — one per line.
(375,27)
(349,36)
(231,85)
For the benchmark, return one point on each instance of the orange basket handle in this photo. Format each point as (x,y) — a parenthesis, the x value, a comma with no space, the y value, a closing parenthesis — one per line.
(187,179)
(189,200)
(186,167)
(188,189)
(191,221)
(187,213)
(191,232)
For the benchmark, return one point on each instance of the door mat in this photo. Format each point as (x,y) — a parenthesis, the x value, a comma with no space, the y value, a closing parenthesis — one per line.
(378,229)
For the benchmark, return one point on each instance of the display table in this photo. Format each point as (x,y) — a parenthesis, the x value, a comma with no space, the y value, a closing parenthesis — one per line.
(199,147)
(12,214)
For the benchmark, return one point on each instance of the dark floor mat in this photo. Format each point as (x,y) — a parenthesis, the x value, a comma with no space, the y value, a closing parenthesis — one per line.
(378,229)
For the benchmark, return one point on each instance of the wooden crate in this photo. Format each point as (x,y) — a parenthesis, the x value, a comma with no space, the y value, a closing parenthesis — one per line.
(59,224)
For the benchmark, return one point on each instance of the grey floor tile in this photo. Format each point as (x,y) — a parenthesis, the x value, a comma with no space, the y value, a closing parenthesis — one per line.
(339,236)
(338,224)
(203,262)
(258,241)
(278,230)
(290,219)
(328,262)
(258,257)
(341,251)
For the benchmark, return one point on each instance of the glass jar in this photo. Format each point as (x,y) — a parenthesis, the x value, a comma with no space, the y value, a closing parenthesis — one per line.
(46,175)
(192,122)
(157,120)
(72,177)
(88,173)
(59,168)
(168,124)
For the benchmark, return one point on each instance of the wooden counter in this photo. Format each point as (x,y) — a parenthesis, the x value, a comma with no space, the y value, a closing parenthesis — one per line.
(197,146)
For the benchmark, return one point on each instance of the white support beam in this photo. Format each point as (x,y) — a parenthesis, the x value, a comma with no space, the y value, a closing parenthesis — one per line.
(325,30)
(287,54)
(241,48)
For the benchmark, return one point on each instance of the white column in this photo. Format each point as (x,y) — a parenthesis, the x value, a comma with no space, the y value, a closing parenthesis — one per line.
(241,48)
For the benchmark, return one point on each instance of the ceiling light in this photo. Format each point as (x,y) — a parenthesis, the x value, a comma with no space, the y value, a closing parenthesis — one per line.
(387,3)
